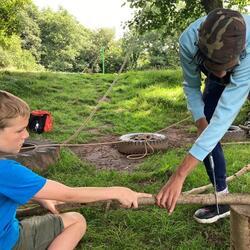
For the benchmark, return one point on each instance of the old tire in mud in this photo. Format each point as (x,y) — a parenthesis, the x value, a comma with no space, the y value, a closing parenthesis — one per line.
(234,133)
(35,157)
(140,143)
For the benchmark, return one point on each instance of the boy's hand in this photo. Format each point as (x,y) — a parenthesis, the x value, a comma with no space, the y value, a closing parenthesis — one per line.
(129,198)
(50,205)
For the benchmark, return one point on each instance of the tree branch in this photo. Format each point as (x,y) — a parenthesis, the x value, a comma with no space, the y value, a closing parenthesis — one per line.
(230,178)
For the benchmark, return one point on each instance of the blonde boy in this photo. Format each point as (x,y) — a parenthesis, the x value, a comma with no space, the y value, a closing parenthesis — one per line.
(19,184)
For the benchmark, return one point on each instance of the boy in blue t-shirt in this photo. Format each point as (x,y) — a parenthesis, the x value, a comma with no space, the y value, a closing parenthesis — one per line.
(19,184)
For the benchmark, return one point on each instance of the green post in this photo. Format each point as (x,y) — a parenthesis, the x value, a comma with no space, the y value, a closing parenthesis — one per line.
(103,60)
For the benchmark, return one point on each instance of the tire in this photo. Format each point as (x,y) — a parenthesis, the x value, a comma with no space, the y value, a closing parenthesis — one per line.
(234,133)
(138,143)
(246,127)
(33,157)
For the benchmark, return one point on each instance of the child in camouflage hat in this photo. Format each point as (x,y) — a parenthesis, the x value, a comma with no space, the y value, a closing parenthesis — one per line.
(219,47)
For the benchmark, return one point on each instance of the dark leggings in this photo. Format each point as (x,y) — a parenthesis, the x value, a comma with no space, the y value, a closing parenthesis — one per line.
(211,96)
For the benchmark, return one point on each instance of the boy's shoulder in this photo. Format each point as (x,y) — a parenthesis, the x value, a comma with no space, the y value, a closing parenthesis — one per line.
(9,163)
(10,169)
(18,182)
(6,162)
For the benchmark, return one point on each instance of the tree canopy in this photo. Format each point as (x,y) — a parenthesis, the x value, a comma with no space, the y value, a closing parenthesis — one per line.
(173,16)
(9,10)
(34,39)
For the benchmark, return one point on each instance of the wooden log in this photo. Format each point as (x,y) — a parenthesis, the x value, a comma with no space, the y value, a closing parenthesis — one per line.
(68,207)
(240,227)
(205,199)
(202,199)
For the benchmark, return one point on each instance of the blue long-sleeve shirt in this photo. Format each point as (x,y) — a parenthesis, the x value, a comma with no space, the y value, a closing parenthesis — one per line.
(231,100)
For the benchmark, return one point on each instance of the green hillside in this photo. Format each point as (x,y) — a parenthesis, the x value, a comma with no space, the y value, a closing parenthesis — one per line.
(139,102)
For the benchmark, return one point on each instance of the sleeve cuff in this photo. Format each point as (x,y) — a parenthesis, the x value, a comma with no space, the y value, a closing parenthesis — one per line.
(35,191)
(198,152)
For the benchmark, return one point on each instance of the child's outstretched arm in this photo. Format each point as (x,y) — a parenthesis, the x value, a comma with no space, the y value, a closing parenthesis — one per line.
(53,190)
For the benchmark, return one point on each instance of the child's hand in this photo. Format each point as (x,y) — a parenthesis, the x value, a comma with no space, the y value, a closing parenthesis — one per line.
(129,198)
(50,205)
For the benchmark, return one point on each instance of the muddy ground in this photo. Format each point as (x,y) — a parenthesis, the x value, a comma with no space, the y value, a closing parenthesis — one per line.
(108,157)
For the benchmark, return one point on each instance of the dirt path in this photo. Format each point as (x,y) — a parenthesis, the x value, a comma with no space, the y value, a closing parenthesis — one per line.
(108,157)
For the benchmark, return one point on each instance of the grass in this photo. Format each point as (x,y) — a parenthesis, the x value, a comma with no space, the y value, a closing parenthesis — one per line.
(135,103)
(139,102)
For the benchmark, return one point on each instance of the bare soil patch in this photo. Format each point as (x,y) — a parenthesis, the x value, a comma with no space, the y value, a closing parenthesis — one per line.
(107,156)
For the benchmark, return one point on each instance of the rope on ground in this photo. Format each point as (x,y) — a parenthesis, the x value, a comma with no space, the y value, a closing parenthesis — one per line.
(174,124)
(132,156)
(105,143)
(64,144)
(69,145)
(89,118)
(141,156)
(235,143)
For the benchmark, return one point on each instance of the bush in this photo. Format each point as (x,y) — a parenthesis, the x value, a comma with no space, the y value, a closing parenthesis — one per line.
(13,56)
(5,61)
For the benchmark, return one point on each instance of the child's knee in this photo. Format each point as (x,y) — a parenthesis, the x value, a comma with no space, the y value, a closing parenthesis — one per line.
(75,218)
(80,219)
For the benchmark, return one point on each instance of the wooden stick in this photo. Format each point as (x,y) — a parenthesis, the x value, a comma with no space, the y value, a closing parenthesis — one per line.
(205,199)
(202,189)
(202,199)
(72,206)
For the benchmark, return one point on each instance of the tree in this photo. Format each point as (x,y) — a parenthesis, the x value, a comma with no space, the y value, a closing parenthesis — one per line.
(13,56)
(89,55)
(102,40)
(150,50)
(162,52)
(210,5)
(159,24)
(11,52)
(132,44)
(166,15)
(114,57)
(9,10)
(29,30)
(173,16)
(85,53)
(238,4)
(61,37)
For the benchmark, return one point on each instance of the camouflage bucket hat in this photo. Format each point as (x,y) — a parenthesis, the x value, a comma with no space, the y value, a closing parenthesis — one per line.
(222,38)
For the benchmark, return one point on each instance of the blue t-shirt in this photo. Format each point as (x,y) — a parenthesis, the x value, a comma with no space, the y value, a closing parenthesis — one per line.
(18,185)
